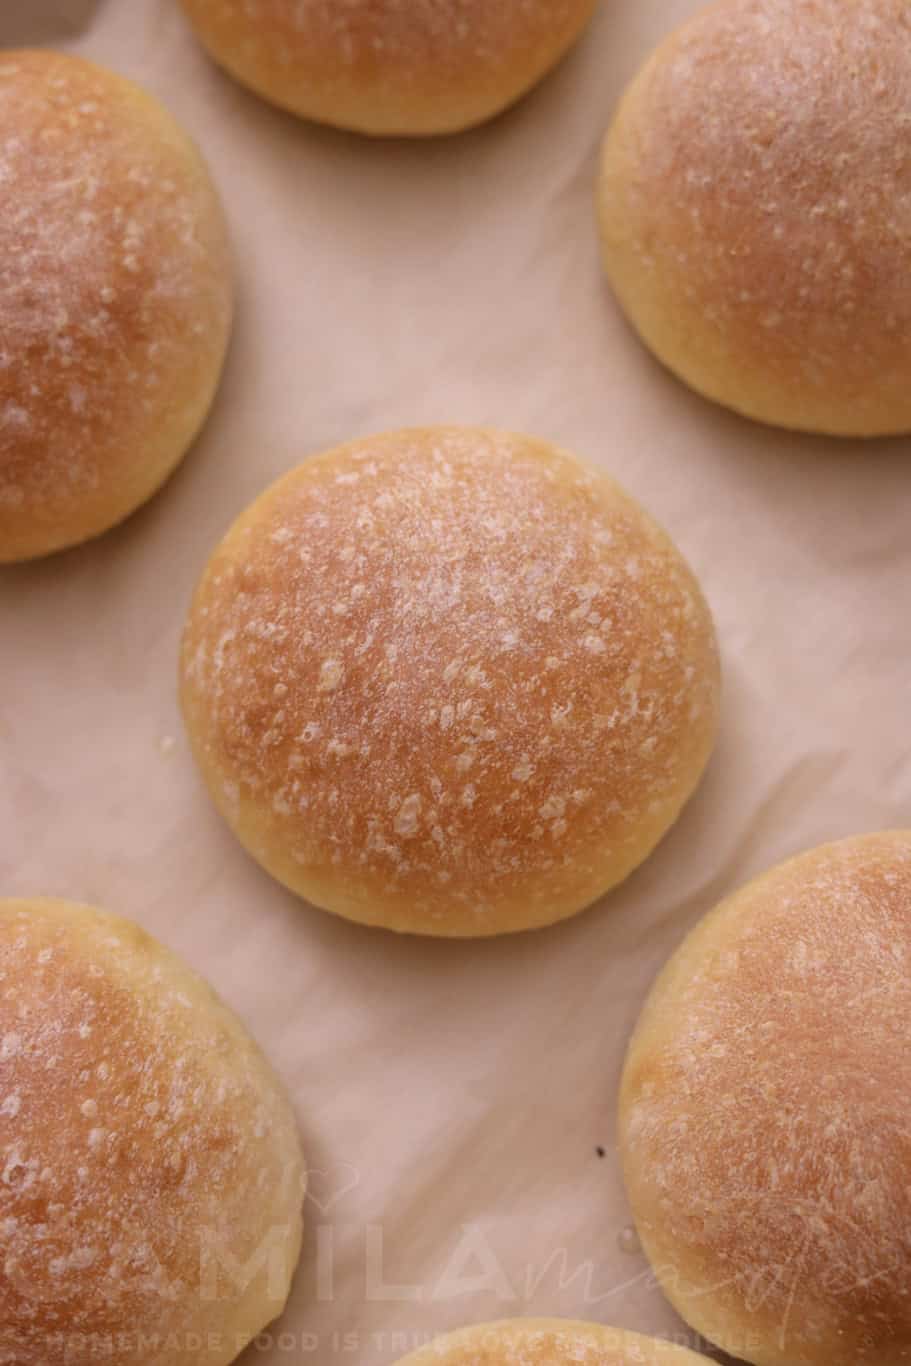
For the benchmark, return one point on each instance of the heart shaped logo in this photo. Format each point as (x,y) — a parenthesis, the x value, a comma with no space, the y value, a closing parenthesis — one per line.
(326,1186)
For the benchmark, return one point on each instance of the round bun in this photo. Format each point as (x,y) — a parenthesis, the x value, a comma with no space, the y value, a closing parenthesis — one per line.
(115,297)
(755,206)
(765,1119)
(449,681)
(151,1177)
(386,68)
(550,1342)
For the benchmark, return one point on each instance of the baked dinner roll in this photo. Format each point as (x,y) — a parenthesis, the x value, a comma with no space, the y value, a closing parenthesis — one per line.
(549,1342)
(449,681)
(151,1176)
(115,299)
(765,1116)
(383,67)
(755,206)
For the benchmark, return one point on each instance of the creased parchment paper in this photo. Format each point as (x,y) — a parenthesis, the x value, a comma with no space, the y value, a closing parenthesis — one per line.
(452,1096)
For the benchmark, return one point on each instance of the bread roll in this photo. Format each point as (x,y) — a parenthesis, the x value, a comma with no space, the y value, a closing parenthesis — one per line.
(115,298)
(449,681)
(381,67)
(765,1116)
(755,207)
(550,1342)
(151,1177)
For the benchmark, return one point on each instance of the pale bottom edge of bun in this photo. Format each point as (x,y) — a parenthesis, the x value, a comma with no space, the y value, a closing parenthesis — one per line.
(737,1336)
(363,115)
(731,394)
(254,1318)
(510,916)
(421,125)
(159,472)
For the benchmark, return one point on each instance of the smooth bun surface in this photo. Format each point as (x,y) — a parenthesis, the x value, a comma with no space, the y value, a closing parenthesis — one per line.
(765,1119)
(115,298)
(755,205)
(549,1342)
(449,681)
(151,1177)
(382,67)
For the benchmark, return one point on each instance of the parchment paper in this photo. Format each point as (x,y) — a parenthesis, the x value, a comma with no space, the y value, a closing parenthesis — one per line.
(452,1097)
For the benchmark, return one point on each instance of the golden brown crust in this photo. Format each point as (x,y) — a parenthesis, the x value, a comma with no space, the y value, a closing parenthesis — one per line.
(147,1152)
(115,295)
(549,1342)
(449,681)
(755,205)
(377,66)
(765,1118)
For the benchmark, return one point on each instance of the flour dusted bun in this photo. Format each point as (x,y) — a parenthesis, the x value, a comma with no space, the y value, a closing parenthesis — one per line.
(765,1119)
(151,1177)
(550,1342)
(755,208)
(115,299)
(382,67)
(449,681)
